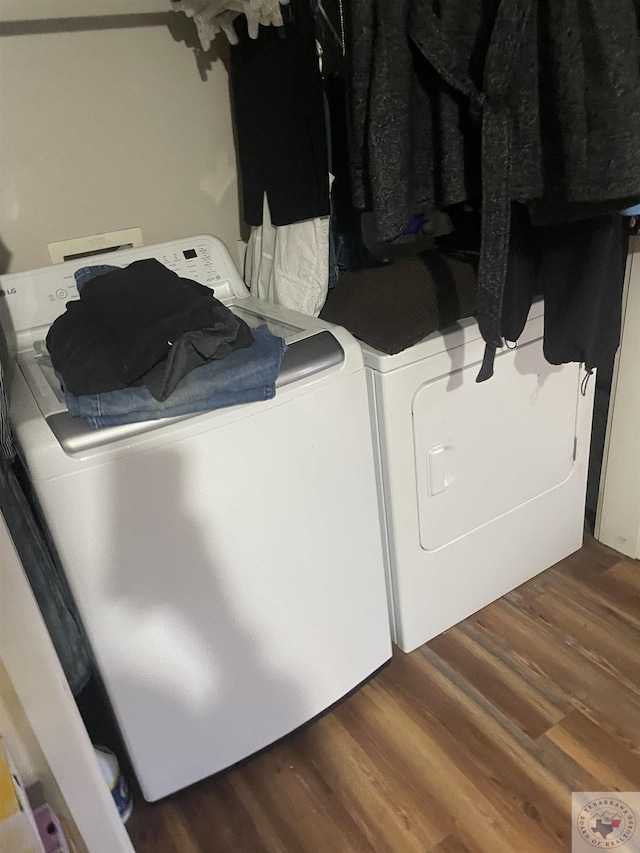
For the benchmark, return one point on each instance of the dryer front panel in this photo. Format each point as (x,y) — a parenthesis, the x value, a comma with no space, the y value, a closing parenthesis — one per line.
(482,450)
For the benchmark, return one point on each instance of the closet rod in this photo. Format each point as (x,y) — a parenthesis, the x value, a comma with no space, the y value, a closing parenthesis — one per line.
(47,10)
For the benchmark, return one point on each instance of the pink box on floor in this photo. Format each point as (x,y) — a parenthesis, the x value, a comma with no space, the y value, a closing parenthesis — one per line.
(48,824)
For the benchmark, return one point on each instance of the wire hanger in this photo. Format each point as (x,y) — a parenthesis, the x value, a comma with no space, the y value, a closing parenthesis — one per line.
(338,37)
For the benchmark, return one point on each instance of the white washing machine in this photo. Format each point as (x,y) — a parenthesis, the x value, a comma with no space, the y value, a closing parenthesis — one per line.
(482,486)
(228,565)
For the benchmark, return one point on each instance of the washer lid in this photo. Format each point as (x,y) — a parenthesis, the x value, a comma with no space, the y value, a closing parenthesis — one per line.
(304,357)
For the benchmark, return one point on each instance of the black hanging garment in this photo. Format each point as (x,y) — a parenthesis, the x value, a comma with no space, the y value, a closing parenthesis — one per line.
(279,115)
(579,269)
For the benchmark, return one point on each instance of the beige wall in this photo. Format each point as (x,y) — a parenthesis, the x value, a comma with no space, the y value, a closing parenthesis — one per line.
(108,124)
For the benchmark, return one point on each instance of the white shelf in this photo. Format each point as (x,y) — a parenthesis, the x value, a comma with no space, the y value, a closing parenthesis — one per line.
(38,10)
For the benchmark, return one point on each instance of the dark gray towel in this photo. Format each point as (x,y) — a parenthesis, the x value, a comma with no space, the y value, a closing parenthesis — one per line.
(394,306)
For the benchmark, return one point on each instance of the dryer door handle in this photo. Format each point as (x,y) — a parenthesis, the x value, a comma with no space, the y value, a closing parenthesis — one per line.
(440,473)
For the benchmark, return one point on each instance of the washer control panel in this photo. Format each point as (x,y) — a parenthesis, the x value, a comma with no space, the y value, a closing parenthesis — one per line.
(199,262)
(30,300)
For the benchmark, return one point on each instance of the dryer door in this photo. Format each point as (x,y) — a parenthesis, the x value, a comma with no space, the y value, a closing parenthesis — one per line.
(484,449)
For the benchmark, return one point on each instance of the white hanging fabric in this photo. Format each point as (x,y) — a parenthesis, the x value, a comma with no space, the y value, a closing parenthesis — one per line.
(289,264)
(214,16)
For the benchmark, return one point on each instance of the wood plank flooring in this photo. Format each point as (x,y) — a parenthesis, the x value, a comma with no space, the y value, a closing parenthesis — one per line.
(471,744)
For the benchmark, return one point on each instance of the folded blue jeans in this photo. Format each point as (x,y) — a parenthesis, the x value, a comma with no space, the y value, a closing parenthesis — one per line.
(243,376)
(85,274)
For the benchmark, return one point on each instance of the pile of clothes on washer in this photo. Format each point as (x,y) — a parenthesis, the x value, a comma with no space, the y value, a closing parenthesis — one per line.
(142,343)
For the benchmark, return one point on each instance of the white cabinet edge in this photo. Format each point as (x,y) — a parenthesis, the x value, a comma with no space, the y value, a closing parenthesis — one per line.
(618,514)
(35,672)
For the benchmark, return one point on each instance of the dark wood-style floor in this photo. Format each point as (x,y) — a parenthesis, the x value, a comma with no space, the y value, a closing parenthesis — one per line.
(471,743)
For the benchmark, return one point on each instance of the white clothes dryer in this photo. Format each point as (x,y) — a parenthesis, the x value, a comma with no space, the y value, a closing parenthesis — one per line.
(227,565)
(482,486)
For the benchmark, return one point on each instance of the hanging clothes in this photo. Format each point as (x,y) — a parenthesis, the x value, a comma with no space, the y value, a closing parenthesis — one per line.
(579,269)
(528,101)
(289,264)
(278,109)
(391,139)
(214,16)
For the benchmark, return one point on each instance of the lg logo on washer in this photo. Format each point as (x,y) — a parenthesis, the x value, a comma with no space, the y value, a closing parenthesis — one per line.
(8,292)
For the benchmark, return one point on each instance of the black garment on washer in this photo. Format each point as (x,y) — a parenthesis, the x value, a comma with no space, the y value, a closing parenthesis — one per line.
(141,325)
(279,117)
(579,269)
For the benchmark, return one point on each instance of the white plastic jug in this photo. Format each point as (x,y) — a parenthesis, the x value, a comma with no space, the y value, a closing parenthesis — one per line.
(115,780)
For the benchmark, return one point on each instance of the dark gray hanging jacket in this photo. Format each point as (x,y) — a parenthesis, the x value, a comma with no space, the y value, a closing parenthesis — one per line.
(528,100)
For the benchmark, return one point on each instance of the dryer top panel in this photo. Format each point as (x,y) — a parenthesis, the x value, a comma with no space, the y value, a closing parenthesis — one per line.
(464,333)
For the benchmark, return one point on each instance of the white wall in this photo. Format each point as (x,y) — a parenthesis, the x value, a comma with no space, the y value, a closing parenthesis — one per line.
(618,519)
(111,123)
